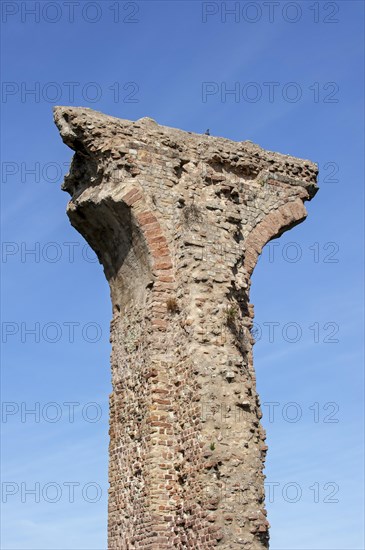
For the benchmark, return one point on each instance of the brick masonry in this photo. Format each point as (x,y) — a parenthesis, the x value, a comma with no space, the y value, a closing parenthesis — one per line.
(178,221)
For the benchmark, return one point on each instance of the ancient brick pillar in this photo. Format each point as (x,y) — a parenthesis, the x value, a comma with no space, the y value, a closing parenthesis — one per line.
(178,221)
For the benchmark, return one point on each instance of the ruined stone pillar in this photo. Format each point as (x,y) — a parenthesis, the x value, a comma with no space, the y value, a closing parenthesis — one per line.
(178,221)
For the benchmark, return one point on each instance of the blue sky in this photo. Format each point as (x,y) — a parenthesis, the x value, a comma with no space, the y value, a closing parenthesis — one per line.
(175,61)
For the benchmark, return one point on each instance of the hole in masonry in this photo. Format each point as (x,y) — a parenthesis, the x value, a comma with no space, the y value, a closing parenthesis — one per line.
(182,479)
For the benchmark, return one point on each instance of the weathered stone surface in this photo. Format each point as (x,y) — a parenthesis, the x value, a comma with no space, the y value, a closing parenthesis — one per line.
(178,221)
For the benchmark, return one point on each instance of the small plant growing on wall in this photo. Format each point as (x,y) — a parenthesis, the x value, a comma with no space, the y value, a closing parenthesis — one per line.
(191,214)
(231,314)
(262,178)
(172,306)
